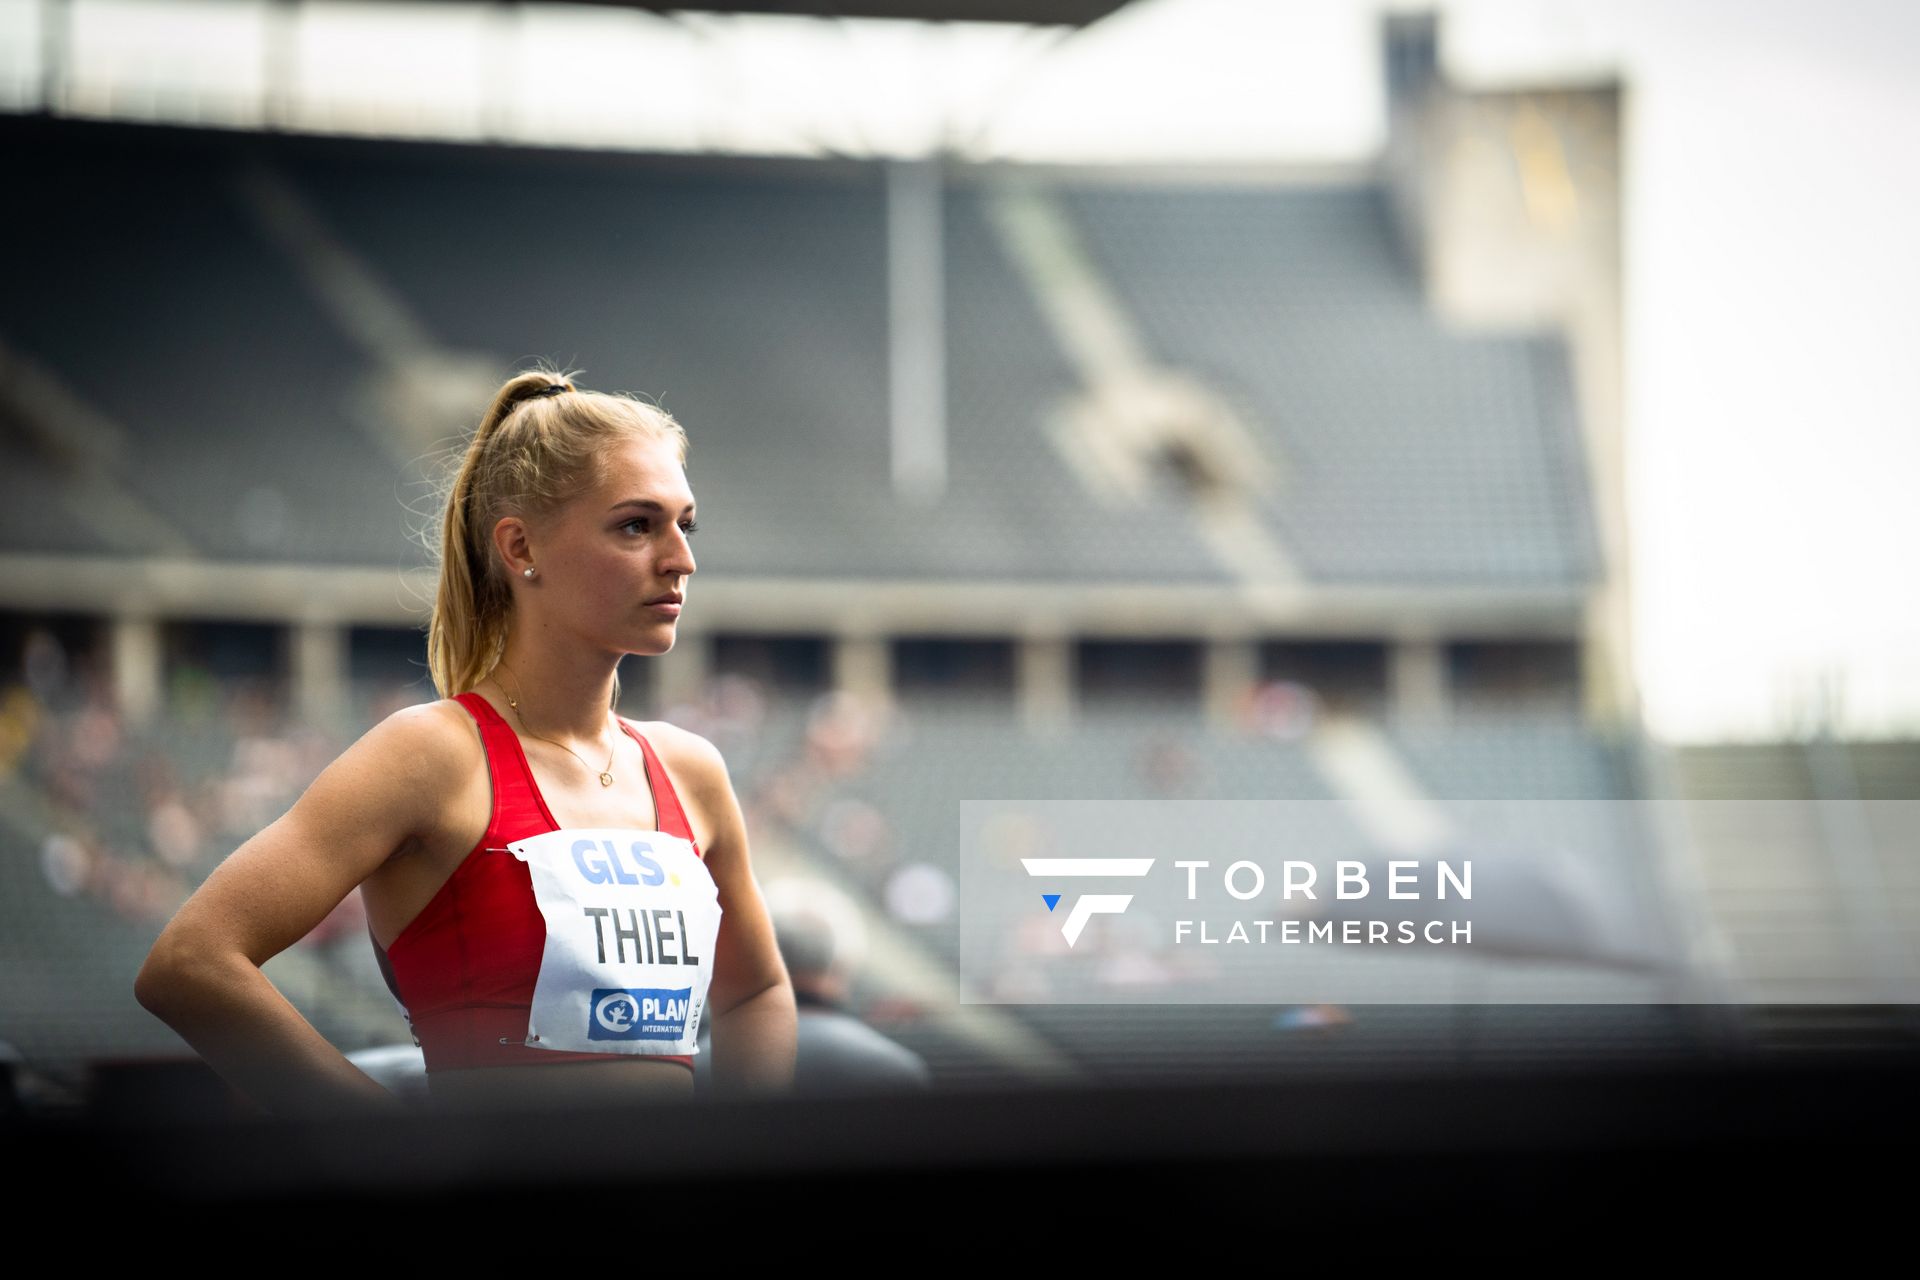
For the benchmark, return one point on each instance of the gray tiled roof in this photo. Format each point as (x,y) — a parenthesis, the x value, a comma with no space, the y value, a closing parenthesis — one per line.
(1414,453)
(134,278)
(33,515)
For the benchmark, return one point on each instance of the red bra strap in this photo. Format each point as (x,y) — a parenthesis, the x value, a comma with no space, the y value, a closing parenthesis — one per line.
(671,819)
(515,790)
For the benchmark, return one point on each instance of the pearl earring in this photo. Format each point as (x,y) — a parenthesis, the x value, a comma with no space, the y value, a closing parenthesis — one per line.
(528,571)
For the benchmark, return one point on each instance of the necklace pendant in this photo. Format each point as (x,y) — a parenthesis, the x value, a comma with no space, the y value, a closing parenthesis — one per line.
(606,779)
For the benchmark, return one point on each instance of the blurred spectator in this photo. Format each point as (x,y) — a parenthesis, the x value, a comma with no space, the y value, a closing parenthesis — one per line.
(193,694)
(174,832)
(1165,767)
(920,893)
(731,713)
(1283,709)
(20,723)
(842,732)
(823,942)
(43,662)
(67,863)
(1311,1017)
(859,835)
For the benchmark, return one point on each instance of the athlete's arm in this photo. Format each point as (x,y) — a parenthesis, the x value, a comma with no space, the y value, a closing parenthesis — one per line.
(756,1024)
(203,975)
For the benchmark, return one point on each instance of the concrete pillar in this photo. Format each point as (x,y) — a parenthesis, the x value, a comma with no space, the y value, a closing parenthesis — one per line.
(863,666)
(319,662)
(1229,672)
(1417,679)
(134,644)
(679,675)
(1044,675)
(916,331)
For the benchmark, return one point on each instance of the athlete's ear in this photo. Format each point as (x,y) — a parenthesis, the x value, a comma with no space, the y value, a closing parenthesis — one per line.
(512,539)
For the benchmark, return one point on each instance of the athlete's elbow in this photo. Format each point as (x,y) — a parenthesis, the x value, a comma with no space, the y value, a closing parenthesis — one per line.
(163,977)
(777,992)
(157,985)
(170,975)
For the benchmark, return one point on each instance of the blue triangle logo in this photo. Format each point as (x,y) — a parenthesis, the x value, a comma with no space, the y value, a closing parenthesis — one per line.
(1051,899)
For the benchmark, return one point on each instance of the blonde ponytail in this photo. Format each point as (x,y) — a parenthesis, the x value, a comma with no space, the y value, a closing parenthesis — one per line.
(538,444)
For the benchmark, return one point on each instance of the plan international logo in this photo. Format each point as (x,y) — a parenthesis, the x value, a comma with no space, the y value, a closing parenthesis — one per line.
(1087,905)
(639,1013)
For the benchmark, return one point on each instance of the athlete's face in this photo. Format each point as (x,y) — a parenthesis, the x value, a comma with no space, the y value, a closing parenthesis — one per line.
(619,547)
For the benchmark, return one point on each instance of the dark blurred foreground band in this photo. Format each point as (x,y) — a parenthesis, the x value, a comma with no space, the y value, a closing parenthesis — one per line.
(1424,1159)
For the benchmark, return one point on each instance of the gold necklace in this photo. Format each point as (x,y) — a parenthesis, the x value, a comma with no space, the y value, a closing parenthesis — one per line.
(606,774)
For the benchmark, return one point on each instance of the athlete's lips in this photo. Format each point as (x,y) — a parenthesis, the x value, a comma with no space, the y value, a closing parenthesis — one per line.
(672,597)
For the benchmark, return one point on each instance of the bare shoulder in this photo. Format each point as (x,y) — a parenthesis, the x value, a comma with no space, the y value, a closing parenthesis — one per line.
(444,729)
(431,745)
(687,754)
(424,762)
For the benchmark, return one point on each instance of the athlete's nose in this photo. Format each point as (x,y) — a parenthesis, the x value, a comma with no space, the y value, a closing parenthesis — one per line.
(680,556)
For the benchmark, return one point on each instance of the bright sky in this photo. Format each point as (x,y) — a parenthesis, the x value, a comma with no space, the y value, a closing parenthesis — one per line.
(1771,279)
(1773,154)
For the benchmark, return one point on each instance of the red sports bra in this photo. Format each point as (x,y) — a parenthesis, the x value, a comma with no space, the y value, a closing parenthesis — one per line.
(463,970)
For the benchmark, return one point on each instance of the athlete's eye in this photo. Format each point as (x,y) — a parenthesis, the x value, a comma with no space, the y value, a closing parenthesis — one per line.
(689,528)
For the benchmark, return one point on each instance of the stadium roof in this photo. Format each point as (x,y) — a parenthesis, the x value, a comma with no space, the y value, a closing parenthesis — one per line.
(1072,13)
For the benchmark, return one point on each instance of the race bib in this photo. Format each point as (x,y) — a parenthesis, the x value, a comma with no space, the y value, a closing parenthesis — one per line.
(632,920)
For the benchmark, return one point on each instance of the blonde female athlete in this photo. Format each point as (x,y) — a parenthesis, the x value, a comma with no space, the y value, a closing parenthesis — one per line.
(557,896)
